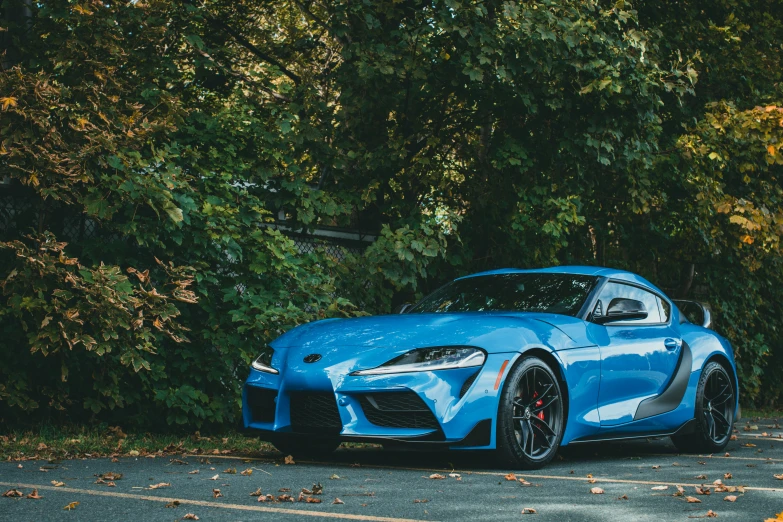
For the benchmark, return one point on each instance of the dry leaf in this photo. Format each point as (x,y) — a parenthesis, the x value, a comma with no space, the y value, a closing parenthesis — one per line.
(693,500)
(159,485)
(318,489)
(110,476)
(680,491)
(437,476)
(285,498)
(703,491)
(34,495)
(71,506)
(256,493)
(11,493)
(779,477)
(194,472)
(656,467)
(624,497)
(529,511)
(57,484)
(338,501)
(289,460)
(455,476)
(173,504)
(660,488)
(596,491)
(718,482)
(312,500)
(420,501)
(591,481)
(511,476)
(284,490)
(726,476)
(230,471)
(190,516)
(334,477)
(733,437)
(523,482)
(215,477)
(730,498)
(216,493)
(247,472)
(701,477)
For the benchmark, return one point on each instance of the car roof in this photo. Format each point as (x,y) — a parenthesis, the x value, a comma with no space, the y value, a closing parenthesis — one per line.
(598,271)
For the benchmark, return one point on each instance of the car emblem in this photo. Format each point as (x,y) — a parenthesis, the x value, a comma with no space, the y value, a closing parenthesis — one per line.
(313,357)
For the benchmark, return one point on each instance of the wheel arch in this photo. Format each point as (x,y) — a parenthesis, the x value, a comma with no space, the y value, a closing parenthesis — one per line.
(556,366)
(721,359)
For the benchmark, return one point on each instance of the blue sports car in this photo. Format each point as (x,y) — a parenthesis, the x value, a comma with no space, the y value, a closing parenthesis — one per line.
(519,362)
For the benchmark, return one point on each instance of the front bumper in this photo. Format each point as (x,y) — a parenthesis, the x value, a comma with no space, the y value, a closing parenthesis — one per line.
(455,408)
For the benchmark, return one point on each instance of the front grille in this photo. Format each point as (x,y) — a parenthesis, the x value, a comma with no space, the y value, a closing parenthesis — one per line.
(467,384)
(261,402)
(397,410)
(315,412)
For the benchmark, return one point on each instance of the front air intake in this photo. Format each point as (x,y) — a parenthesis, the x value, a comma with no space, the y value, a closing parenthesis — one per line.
(398,410)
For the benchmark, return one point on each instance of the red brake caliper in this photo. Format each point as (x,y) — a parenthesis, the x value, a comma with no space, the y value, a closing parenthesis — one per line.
(539,403)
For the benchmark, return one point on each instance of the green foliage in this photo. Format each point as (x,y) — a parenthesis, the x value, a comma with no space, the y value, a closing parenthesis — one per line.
(464,135)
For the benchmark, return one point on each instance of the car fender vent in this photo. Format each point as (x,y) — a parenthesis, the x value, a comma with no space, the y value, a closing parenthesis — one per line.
(467,384)
(398,410)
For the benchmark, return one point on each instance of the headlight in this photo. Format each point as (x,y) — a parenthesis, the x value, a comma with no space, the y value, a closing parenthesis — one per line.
(429,359)
(263,362)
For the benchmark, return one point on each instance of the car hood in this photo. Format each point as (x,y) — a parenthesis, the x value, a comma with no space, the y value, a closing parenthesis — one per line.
(494,332)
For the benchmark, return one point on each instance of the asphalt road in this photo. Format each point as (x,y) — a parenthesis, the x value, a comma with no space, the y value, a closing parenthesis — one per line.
(377,485)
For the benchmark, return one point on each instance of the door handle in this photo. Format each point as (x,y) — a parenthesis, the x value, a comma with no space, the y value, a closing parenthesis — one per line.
(671,344)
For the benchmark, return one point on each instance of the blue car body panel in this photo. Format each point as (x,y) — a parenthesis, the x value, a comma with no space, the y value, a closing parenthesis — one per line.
(607,371)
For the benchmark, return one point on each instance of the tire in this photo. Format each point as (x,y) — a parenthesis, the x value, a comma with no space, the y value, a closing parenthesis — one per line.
(306,447)
(714,414)
(531,419)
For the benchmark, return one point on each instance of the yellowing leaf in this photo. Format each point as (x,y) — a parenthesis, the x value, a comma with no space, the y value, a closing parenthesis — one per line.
(71,506)
(771,150)
(8,101)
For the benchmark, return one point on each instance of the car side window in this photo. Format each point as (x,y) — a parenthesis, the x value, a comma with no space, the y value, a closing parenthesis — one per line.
(666,309)
(615,290)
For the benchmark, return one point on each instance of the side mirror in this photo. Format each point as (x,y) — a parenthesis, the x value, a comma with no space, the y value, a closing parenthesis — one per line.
(403,308)
(694,312)
(621,309)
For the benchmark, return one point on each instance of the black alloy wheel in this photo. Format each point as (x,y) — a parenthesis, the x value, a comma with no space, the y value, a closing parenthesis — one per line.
(530,415)
(715,406)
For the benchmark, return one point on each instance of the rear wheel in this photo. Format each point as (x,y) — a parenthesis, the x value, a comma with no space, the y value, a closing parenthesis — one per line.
(306,447)
(530,415)
(714,413)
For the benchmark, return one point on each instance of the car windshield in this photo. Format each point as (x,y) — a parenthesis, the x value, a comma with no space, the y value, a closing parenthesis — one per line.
(526,292)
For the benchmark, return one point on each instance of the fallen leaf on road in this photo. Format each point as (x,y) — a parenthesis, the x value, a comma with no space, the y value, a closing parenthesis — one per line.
(247,472)
(71,506)
(624,497)
(726,476)
(529,511)
(510,476)
(709,514)
(34,495)
(718,482)
(703,491)
(256,493)
(693,500)
(215,477)
(733,437)
(522,482)
(159,485)
(779,477)
(318,489)
(284,490)
(194,472)
(730,498)
(701,477)
(173,504)
(110,476)
(338,501)
(455,476)
(230,471)
(57,484)
(421,501)
(285,498)
(656,467)
(216,493)
(437,476)
(660,488)
(596,491)
(312,500)
(727,454)
(680,491)
(12,493)
(778,517)
(289,460)
(334,477)
(591,481)
(190,516)
(133,453)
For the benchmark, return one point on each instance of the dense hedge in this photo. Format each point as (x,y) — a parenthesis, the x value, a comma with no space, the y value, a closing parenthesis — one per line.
(464,135)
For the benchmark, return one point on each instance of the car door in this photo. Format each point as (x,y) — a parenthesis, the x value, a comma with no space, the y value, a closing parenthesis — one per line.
(638,357)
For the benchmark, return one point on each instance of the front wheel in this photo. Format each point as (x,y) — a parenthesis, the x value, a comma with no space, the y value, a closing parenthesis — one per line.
(530,415)
(714,413)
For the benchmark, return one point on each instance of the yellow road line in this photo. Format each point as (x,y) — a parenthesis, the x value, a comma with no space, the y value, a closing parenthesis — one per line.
(204,503)
(527,475)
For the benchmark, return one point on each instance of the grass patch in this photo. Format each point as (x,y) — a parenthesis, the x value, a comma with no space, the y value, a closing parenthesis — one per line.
(54,442)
